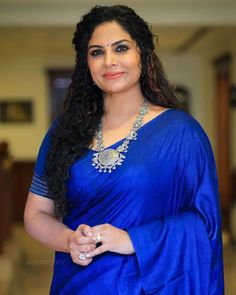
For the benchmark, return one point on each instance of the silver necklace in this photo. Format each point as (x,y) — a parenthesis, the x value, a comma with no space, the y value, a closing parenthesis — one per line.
(107,160)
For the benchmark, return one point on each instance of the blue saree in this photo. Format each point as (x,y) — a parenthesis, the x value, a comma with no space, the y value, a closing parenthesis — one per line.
(165,194)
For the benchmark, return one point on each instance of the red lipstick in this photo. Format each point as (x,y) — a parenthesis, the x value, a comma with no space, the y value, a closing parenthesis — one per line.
(112,75)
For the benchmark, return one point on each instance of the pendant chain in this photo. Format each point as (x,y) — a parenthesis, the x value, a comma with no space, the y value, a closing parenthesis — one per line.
(107,160)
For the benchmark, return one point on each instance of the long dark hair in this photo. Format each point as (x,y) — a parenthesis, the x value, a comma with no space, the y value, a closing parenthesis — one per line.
(83,107)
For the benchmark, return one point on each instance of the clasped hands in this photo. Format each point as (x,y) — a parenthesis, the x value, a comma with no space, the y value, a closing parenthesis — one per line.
(84,240)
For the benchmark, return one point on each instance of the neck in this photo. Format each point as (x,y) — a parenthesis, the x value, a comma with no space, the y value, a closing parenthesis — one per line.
(122,106)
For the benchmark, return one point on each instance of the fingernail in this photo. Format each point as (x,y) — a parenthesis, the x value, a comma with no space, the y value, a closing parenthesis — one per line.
(90,234)
(87,255)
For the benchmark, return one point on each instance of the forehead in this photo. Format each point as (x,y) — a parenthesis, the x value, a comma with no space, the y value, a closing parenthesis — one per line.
(108,32)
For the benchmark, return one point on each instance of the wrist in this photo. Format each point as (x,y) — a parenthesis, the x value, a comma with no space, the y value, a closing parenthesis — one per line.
(131,248)
(67,235)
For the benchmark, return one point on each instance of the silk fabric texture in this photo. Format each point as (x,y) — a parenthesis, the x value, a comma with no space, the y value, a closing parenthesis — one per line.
(165,194)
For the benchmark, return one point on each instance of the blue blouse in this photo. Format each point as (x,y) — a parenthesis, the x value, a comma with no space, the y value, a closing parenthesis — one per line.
(165,194)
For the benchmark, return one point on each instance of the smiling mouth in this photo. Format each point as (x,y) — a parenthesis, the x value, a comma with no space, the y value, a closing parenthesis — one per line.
(111,76)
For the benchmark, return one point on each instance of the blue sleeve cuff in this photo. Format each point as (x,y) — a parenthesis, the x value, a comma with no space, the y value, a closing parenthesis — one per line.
(39,186)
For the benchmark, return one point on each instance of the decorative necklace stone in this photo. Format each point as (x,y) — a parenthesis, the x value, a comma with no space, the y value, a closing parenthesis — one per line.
(107,160)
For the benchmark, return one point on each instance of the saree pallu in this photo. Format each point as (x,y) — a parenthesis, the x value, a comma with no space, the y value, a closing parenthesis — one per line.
(165,195)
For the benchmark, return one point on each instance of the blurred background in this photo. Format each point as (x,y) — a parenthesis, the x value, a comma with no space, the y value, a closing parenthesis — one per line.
(197,45)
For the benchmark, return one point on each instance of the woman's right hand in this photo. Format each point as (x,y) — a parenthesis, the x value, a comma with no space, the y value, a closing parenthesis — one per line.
(81,241)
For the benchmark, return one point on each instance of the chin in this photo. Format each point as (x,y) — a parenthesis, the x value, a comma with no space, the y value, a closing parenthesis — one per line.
(113,90)
(118,89)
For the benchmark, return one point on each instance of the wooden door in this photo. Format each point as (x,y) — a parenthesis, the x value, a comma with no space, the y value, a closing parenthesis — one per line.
(222,86)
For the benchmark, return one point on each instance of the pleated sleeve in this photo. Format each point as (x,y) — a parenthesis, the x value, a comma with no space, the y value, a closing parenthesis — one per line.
(183,251)
(39,181)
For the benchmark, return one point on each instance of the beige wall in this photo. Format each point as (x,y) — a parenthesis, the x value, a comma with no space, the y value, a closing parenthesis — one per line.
(195,70)
(25,56)
(218,42)
(186,70)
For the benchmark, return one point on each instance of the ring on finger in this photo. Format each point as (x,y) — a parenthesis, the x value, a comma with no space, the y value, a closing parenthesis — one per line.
(98,238)
(82,256)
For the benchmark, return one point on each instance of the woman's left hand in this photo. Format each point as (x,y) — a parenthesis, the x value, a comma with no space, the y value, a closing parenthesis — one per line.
(112,239)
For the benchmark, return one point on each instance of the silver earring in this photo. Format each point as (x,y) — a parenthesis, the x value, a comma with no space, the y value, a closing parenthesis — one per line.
(94,83)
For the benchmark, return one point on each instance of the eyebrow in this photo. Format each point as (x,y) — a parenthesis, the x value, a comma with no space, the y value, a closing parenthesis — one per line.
(113,44)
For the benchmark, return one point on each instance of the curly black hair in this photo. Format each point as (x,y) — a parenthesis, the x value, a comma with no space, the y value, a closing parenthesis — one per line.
(83,107)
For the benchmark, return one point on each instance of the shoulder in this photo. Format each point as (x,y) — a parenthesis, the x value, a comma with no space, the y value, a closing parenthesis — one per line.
(190,132)
(46,142)
(174,122)
(183,121)
(173,117)
(184,128)
(51,130)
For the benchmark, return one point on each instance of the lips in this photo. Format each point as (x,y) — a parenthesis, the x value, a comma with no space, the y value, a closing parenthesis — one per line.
(111,76)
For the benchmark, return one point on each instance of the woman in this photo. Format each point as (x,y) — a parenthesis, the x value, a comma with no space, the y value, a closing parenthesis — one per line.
(125,186)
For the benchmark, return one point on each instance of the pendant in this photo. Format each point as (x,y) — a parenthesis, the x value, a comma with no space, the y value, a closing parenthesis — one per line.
(107,160)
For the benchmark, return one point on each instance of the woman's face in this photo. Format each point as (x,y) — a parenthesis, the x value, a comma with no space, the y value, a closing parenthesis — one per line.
(113,59)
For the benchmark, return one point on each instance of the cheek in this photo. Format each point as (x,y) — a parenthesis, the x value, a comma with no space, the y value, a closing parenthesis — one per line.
(92,65)
(135,68)
(134,63)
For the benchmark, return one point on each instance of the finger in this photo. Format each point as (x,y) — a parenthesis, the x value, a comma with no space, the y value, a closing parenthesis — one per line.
(81,240)
(96,252)
(79,257)
(86,248)
(86,262)
(86,230)
(98,237)
(98,228)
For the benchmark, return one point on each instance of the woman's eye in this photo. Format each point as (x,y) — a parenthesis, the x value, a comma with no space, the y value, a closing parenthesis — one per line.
(121,48)
(96,52)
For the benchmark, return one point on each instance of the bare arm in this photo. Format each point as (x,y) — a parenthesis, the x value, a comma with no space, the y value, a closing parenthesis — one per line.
(41,223)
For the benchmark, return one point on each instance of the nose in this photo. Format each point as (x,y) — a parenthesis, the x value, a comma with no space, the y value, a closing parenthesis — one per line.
(110,59)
